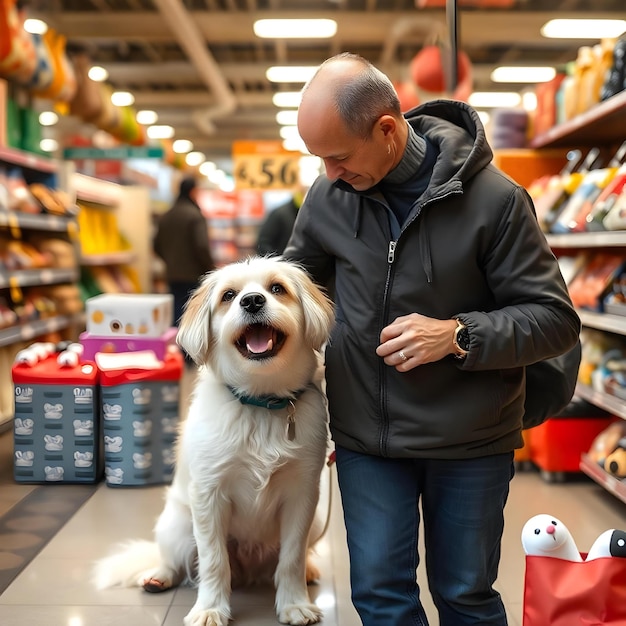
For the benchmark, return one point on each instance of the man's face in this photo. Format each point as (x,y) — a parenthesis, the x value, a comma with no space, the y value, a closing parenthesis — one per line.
(360,162)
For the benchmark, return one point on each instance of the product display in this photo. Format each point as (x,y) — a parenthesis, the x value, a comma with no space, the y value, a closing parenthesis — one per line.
(56,425)
(140,413)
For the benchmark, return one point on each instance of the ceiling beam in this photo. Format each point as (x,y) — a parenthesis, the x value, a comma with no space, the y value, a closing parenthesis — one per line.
(353,27)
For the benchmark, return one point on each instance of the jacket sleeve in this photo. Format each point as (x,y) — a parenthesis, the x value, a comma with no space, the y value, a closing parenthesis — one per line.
(534,318)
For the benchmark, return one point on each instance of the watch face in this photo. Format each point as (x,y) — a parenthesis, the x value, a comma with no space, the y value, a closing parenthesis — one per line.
(463,339)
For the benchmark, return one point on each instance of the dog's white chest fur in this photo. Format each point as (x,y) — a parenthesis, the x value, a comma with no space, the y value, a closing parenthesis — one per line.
(245,454)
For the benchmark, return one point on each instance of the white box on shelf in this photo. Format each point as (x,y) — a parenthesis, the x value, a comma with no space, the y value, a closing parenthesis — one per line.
(129,315)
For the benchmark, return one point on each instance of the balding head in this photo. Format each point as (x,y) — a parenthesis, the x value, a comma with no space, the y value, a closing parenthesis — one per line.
(349,86)
(350,117)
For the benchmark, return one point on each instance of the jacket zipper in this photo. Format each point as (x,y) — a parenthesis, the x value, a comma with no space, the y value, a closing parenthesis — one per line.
(391,257)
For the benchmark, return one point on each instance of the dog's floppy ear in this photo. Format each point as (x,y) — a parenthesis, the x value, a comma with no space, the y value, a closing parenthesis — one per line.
(319,311)
(194,331)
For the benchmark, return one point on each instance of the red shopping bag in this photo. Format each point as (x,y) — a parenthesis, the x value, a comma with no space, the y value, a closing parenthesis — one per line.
(567,593)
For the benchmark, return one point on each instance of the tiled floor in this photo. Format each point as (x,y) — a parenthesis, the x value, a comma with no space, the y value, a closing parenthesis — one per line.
(55,589)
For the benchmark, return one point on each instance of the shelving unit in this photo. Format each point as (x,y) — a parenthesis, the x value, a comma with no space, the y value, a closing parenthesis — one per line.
(129,207)
(604,126)
(20,225)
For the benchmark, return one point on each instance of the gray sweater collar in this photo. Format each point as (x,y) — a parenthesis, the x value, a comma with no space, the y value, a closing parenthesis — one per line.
(411,160)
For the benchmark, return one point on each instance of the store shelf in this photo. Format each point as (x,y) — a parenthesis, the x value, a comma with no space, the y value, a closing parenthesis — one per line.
(37,221)
(603,321)
(610,483)
(27,160)
(612,404)
(30,278)
(95,191)
(604,124)
(36,328)
(604,239)
(110,258)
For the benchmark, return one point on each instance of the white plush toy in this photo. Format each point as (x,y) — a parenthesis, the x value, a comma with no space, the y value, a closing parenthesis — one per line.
(610,543)
(545,535)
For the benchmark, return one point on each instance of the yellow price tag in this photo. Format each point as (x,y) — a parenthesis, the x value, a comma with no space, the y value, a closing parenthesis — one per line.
(266,171)
(14,225)
(264,165)
(72,230)
(16,291)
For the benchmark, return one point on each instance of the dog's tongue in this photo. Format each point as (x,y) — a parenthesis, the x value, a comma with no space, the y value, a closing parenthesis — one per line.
(259,339)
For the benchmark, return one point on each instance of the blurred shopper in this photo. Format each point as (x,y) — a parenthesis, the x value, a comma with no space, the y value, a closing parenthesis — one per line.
(182,241)
(276,229)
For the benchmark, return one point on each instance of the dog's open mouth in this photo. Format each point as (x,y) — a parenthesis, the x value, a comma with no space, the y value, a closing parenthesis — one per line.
(259,341)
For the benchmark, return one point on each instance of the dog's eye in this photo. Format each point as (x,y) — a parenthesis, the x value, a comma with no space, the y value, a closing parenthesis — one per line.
(229,295)
(277,288)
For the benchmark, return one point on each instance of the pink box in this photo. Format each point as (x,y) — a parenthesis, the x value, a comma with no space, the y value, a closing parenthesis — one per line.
(97,343)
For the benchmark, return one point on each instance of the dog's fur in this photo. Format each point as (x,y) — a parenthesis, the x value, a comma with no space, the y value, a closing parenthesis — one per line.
(243,499)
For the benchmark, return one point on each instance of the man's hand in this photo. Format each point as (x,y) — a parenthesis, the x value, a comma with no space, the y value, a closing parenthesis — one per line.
(412,340)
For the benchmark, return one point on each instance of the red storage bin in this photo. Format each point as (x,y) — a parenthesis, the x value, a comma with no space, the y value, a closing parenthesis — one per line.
(556,446)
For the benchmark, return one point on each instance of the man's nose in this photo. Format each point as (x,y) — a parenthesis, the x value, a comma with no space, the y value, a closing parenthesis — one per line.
(333,171)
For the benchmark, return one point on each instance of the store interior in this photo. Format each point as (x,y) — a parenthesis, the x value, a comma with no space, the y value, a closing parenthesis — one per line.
(105,105)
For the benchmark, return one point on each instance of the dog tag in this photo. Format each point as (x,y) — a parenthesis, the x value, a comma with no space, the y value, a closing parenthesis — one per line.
(291,421)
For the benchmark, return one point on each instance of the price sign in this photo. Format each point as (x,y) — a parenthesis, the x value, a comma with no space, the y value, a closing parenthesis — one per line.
(264,165)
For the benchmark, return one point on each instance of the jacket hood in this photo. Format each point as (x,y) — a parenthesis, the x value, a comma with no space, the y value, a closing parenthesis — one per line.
(458,133)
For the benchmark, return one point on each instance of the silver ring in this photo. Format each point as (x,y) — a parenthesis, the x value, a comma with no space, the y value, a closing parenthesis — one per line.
(403,356)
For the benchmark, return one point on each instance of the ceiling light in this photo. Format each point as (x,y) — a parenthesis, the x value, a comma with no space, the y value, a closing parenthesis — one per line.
(484,117)
(583,29)
(488,99)
(295,29)
(160,132)
(511,74)
(289,132)
(287,118)
(290,73)
(295,145)
(49,145)
(195,158)
(529,101)
(207,168)
(287,99)
(35,27)
(48,118)
(181,146)
(122,98)
(146,117)
(98,74)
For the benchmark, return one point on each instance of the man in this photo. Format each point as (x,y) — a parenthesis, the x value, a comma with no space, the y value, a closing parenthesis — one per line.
(182,241)
(445,289)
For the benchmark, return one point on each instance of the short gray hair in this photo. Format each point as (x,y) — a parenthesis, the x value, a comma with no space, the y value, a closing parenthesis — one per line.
(361,100)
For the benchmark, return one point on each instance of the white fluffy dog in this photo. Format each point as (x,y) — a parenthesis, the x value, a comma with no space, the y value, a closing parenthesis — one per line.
(250,453)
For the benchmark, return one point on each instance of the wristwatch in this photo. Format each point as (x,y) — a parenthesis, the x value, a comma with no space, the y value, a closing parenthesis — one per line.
(461,340)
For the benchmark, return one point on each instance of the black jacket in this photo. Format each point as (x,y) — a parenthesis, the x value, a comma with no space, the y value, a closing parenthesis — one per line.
(182,241)
(471,248)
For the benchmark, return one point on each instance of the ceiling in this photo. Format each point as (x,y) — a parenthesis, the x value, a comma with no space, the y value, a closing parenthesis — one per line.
(200,66)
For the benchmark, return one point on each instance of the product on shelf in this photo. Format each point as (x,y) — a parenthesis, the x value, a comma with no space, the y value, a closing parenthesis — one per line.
(130,315)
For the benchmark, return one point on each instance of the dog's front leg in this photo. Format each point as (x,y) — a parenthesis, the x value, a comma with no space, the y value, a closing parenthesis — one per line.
(211,516)
(293,605)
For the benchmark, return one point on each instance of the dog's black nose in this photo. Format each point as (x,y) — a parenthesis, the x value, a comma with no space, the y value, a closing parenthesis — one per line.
(253,302)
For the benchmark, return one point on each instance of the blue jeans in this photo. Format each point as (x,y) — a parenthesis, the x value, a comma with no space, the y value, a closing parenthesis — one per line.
(462,504)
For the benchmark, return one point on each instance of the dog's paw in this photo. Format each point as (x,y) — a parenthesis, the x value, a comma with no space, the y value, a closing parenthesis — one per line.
(299,614)
(154,585)
(209,617)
